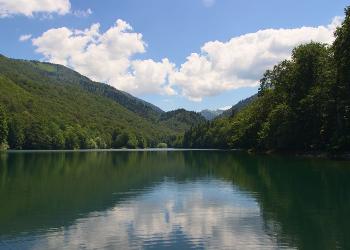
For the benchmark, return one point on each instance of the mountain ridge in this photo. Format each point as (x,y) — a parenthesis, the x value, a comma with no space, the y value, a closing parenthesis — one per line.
(43,98)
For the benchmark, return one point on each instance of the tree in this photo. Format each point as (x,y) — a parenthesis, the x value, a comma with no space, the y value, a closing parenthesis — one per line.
(37,136)
(162,145)
(91,144)
(277,131)
(310,86)
(132,141)
(3,128)
(341,47)
(83,137)
(16,135)
(115,134)
(56,136)
(71,138)
(100,142)
(141,141)
(122,140)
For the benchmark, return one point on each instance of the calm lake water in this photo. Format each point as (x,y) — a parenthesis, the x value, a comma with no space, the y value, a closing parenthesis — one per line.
(172,200)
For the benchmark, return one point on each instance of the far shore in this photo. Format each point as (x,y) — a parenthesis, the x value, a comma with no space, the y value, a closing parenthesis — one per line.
(308,154)
(107,150)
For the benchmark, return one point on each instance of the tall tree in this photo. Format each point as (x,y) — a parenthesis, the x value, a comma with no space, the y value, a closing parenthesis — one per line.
(16,135)
(3,127)
(341,47)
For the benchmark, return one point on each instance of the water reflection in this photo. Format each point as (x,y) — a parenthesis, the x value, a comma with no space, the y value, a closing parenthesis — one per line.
(179,200)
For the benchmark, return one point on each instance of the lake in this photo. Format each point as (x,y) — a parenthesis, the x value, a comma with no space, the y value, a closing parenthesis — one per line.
(172,200)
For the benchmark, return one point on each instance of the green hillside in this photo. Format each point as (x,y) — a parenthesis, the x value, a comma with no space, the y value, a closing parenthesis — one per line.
(179,120)
(303,104)
(48,106)
(210,115)
(68,76)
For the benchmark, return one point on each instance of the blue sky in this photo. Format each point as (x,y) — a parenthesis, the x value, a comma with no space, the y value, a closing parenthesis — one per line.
(217,76)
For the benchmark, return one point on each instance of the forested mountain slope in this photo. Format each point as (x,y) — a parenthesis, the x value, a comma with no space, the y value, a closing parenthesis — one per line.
(211,114)
(47,106)
(179,120)
(61,74)
(303,104)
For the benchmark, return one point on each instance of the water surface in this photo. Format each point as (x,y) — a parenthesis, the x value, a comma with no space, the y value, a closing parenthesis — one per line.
(172,200)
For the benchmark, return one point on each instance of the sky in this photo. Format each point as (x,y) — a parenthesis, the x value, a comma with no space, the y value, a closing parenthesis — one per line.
(193,54)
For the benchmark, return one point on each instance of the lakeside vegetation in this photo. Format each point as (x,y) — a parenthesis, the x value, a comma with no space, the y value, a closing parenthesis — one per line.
(303,104)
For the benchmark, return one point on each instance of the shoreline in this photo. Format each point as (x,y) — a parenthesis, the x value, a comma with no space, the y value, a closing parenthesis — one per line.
(309,154)
(306,154)
(104,150)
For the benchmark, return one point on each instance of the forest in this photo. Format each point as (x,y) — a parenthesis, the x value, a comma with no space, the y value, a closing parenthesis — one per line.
(49,106)
(303,104)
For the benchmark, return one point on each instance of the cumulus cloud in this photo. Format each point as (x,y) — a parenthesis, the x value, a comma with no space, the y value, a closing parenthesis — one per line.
(241,61)
(219,66)
(106,57)
(24,38)
(30,7)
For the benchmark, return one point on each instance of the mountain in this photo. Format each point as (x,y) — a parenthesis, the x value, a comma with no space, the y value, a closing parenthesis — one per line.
(65,75)
(180,120)
(211,114)
(51,106)
(239,106)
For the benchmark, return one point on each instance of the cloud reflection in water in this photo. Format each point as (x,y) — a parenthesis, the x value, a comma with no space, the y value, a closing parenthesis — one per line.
(208,214)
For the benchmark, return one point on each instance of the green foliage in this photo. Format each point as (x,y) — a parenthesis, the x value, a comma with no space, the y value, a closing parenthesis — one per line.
(162,145)
(132,141)
(16,135)
(141,142)
(3,128)
(71,138)
(52,107)
(121,140)
(56,135)
(36,136)
(341,47)
(211,114)
(99,142)
(180,119)
(303,104)
(277,130)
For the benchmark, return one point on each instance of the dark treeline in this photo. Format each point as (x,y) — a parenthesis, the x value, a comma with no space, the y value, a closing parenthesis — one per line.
(21,132)
(303,104)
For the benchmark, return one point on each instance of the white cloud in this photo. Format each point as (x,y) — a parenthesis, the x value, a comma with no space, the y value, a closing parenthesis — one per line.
(106,57)
(220,66)
(30,7)
(240,62)
(151,77)
(24,38)
(82,13)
